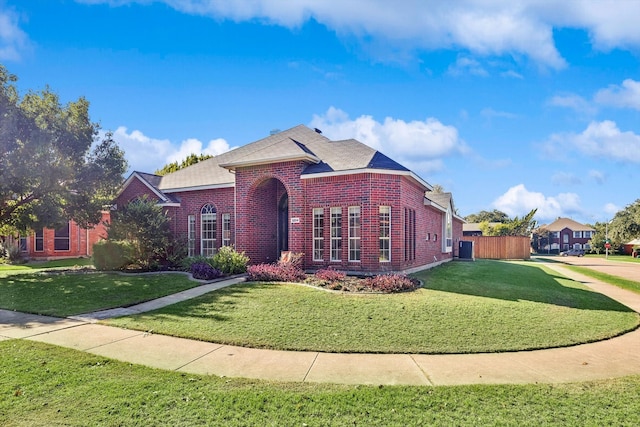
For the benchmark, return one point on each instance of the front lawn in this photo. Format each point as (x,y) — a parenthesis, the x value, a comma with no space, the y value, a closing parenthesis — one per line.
(484,306)
(68,293)
(42,265)
(44,385)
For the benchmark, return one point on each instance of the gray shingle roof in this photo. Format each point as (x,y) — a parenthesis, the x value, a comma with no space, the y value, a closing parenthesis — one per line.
(297,143)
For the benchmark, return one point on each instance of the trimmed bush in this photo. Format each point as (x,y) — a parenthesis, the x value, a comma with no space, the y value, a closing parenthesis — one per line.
(229,261)
(281,272)
(204,271)
(189,261)
(389,283)
(111,255)
(329,276)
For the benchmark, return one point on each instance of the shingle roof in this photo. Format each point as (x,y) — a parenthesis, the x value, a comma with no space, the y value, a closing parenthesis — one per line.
(562,223)
(297,143)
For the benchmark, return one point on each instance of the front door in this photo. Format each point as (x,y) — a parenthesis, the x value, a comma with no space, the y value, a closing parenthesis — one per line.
(283,224)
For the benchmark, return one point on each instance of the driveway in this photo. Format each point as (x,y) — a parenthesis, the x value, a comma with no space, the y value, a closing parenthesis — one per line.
(626,270)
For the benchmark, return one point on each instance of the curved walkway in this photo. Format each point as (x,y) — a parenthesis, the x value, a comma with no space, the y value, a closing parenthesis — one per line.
(605,359)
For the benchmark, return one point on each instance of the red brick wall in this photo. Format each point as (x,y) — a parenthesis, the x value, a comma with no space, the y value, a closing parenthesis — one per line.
(81,241)
(191,202)
(134,190)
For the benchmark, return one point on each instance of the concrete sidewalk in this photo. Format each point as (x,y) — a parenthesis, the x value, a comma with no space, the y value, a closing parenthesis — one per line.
(611,358)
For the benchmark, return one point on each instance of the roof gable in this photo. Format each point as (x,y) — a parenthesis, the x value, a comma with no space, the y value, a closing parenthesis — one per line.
(562,223)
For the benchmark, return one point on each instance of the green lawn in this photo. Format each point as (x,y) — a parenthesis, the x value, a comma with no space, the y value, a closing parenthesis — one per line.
(484,306)
(65,294)
(43,385)
(39,265)
(620,282)
(624,258)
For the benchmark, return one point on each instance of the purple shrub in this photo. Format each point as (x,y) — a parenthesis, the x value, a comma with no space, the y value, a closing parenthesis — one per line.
(389,283)
(281,272)
(204,271)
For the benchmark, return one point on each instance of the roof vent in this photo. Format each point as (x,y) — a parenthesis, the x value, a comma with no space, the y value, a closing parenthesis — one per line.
(317,130)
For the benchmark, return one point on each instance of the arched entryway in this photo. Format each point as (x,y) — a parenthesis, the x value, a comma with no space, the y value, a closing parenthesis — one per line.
(266,232)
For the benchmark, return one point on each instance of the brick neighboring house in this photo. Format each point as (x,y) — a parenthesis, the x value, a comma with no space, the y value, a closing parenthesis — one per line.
(341,203)
(68,241)
(564,234)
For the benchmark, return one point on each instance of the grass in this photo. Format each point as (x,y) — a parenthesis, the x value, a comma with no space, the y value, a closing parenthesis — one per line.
(65,294)
(44,385)
(485,306)
(620,282)
(39,265)
(612,257)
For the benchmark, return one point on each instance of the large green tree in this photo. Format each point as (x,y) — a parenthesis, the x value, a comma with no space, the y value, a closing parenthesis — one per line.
(511,227)
(625,225)
(49,172)
(191,159)
(486,216)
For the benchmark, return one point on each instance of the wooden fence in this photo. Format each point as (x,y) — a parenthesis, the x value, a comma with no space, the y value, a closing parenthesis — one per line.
(500,247)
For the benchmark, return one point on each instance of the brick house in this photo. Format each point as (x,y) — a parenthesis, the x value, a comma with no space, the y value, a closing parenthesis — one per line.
(564,234)
(68,241)
(341,203)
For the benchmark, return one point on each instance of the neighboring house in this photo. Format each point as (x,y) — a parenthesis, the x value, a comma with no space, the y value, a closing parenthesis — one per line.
(68,241)
(564,234)
(341,203)
(473,228)
(632,247)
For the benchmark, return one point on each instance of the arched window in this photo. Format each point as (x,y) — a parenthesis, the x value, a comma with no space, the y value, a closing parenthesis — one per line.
(208,230)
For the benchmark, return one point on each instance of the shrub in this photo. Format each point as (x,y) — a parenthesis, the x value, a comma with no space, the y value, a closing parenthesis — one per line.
(111,255)
(186,263)
(329,276)
(229,261)
(389,283)
(204,271)
(281,272)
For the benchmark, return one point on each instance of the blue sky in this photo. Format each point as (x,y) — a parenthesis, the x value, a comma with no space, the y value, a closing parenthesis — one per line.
(510,105)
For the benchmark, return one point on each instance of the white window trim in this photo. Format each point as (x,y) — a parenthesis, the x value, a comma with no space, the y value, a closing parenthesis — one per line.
(209,216)
(355,212)
(318,238)
(447,232)
(226,229)
(337,239)
(385,210)
(191,235)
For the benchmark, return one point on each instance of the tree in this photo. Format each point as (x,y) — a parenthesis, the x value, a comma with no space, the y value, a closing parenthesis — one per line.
(146,227)
(512,227)
(625,225)
(192,159)
(485,216)
(48,171)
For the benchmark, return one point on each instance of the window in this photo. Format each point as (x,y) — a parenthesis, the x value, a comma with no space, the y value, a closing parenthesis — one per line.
(587,246)
(208,229)
(577,246)
(39,241)
(23,244)
(565,239)
(447,242)
(61,240)
(577,234)
(555,234)
(409,234)
(226,229)
(385,233)
(318,234)
(354,233)
(191,235)
(586,234)
(336,234)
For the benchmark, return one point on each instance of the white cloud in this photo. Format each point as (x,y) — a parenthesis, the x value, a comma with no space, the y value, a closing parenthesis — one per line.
(598,176)
(491,113)
(466,65)
(146,154)
(13,41)
(611,209)
(565,178)
(625,96)
(484,28)
(520,201)
(422,144)
(603,140)
(574,102)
